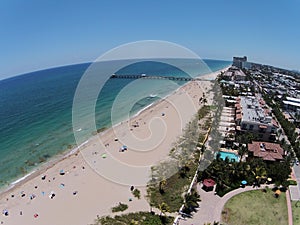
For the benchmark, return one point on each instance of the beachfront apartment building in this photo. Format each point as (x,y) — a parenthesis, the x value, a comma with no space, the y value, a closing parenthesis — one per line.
(234,74)
(253,115)
(240,62)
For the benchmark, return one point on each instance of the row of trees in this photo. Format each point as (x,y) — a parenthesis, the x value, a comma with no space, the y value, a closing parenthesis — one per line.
(288,127)
(138,218)
(228,175)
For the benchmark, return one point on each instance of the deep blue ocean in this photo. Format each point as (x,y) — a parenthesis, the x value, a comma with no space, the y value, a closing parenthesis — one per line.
(36,109)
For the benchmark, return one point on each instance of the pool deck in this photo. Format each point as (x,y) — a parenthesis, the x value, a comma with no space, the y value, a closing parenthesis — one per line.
(229,150)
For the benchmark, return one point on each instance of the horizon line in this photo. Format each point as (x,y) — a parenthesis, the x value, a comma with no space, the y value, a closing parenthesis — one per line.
(82,62)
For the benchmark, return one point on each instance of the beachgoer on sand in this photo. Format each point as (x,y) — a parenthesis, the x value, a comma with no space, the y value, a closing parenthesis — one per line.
(5,212)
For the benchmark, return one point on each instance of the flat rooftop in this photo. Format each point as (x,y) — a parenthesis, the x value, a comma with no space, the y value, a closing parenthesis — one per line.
(290,99)
(291,103)
(252,111)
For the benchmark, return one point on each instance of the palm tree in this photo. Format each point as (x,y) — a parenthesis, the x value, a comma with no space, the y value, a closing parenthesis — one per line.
(242,150)
(191,202)
(183,172)
(162,185)
(163,207)
(151,205)
(260,173)
(246,169)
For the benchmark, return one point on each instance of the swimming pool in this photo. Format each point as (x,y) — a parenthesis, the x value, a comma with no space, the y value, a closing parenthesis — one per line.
(230,155)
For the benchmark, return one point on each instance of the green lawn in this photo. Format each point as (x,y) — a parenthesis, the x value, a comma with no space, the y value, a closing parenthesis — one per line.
(296,212)
(256,207)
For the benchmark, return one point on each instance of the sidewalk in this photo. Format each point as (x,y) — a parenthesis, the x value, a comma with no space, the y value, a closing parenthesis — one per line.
(295,189)
(289,207)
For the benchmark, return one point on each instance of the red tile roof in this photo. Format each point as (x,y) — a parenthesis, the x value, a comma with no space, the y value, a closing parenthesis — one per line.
(209,182)
(238,105)
(262,102)
(267,111)
(266,150)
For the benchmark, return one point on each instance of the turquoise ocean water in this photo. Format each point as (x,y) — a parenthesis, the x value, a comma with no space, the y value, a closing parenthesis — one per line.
(36,109)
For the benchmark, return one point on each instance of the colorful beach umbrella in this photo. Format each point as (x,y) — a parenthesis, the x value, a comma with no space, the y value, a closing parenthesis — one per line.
(278,192)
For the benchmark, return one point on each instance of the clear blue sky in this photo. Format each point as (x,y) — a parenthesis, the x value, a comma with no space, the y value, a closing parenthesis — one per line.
(38,34)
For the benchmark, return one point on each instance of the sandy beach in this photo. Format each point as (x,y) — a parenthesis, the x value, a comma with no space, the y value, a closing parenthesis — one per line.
(99,176)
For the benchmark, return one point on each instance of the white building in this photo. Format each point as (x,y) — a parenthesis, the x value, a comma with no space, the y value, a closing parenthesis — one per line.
(292,104)
(252,115)
(240,62)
